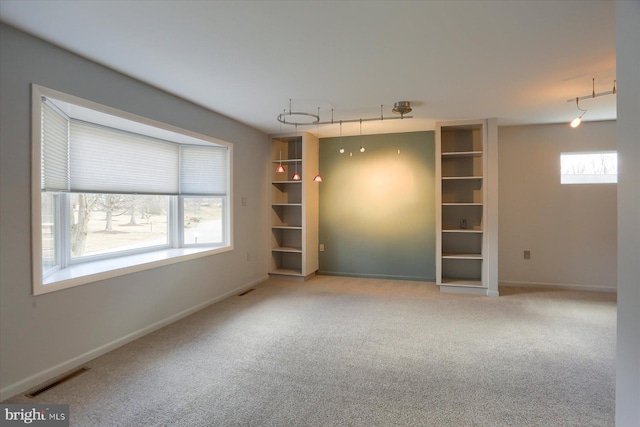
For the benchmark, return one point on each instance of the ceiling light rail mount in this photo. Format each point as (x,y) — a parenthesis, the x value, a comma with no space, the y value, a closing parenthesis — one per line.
(296,117)
(593,93)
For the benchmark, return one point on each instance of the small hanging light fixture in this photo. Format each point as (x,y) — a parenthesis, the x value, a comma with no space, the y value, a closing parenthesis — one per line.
(576,122)
(296,176)
(361,147)
(341,148)
(280,168)
(318,177)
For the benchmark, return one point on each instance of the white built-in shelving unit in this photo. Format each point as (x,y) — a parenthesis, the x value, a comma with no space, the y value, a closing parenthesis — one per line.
(294,206)
(466,207)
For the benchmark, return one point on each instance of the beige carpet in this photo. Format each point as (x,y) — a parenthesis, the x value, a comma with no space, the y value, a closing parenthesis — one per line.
(360,352)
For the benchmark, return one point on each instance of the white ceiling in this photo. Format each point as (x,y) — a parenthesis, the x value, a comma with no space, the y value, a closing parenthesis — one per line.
(518,61)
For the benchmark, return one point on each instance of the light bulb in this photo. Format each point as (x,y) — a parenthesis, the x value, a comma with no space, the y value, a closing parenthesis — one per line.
(341,150)
(576,122)
(362,149)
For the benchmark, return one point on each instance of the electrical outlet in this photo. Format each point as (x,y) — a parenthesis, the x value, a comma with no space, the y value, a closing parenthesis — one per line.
(527,254)
(321,247)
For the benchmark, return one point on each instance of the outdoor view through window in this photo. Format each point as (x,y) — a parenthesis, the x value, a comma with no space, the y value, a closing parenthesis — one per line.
(595,167)
(112,187)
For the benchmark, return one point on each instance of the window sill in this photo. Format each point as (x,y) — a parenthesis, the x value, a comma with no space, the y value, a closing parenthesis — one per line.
(90,272)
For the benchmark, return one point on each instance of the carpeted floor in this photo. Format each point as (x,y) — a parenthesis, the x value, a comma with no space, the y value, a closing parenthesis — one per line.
(360,352)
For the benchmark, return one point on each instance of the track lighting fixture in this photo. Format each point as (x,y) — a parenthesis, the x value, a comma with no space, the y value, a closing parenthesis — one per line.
(576,122)
(303,118)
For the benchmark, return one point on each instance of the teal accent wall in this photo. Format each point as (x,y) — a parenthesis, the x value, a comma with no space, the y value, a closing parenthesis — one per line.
(377,208)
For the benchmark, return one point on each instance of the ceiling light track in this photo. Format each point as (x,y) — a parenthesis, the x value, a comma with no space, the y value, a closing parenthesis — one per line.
(593,93)
(294,117)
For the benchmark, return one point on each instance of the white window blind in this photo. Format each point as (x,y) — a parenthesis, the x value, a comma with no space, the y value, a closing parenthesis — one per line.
(203,170)
(106,160)
(55,150)
(84,157)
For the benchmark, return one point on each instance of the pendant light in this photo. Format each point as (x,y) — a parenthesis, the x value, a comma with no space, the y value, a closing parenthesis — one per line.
(318,177)
(361,147)
(296,176)
(576,122)
(341,148)
(280,168)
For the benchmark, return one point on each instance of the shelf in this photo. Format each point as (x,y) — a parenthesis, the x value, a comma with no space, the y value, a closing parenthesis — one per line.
(287,249)
(452,281)
(287,161)
(286,272)
(466,171)
(461,177)
(461,256)
(294,226)
(462,154)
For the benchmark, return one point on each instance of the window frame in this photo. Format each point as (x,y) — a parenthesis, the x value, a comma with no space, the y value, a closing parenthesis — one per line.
(100,268)
(578,181)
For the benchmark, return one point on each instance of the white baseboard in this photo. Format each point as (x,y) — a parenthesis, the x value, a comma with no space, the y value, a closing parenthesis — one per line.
(43,376)
(378,276)
(565,286)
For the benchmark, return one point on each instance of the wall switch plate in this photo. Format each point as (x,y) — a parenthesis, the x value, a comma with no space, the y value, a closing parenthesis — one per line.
(244,201)
(321,247)
(527,254)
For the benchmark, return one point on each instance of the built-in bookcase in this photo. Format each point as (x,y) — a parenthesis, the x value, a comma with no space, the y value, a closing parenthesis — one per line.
(466,206)
(294,206)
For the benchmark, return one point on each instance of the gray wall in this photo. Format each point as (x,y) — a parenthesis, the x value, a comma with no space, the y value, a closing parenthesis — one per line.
(46,335)
(628,338)
(569,229)
(377,214)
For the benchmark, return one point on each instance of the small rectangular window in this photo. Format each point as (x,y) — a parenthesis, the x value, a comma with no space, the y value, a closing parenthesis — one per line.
(593,167)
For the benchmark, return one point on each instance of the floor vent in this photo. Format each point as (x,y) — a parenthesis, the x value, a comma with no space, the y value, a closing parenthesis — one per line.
(246,292)
(57,382)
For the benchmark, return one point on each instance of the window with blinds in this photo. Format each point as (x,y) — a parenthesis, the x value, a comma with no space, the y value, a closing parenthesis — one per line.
(113,186)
